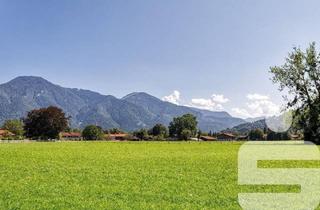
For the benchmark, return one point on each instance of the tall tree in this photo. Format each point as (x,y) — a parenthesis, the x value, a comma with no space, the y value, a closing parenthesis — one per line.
(159,130)
(45,123)
(92,132)
(300,77)
(183,123)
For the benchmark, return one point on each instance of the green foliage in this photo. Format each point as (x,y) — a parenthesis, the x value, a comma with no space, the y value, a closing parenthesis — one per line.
(92,132)
(14,126)
(115,131)
(45,123)
(159,130)
(141,134)
(186,134)
(185,122)
(300,77)
(256,134)
(275,136)
(10,138)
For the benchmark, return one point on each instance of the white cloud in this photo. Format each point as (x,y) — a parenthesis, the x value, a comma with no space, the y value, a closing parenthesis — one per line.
(202,103)
(243,113)
(219,99)
(256,96)
(213,104)
(265,108)
(258,106)
(173,97)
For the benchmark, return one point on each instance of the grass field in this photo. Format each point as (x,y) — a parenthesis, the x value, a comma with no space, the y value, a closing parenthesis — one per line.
(106,175)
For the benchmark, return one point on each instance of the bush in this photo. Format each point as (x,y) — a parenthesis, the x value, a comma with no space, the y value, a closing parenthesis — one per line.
(92,132)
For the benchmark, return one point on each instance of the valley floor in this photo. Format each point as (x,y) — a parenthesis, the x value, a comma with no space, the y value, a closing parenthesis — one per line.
(129,175)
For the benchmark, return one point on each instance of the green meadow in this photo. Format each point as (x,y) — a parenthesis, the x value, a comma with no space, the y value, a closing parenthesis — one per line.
(120,175)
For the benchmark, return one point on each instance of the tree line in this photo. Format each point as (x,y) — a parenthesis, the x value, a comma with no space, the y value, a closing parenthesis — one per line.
(48,123)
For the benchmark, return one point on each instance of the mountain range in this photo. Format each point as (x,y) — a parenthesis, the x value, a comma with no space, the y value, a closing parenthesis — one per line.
(245,128)
(134,111)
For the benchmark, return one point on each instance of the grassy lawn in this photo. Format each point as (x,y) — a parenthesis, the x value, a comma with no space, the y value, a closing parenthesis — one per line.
(106,175)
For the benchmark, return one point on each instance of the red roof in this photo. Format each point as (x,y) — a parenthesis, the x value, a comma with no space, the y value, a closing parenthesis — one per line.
(208,138)
(118,135)
(5,132)
(227,134)
(71,134)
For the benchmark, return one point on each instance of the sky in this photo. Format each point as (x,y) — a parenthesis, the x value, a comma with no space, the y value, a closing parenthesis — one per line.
(208,54)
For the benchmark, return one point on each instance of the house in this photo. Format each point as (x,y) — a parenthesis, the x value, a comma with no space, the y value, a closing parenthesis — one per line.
(226,136)
(117,136)
(208,138)
(70,136)
(5,133)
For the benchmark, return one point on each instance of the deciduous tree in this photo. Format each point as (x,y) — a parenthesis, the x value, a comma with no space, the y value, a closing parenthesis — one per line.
(92,132)
(300,77)
(159,130)
(185,122)
(45,123)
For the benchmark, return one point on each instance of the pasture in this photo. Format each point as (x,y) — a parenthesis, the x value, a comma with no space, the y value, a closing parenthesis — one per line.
(120,175)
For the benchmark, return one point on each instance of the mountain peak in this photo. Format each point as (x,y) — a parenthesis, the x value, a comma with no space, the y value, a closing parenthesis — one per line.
(139,95)
(28,79)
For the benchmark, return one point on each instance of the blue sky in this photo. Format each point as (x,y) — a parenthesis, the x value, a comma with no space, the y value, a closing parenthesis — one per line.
(215,54)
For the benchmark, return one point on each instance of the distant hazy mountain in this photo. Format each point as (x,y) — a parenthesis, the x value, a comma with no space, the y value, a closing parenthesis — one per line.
(254,119)
(246,127)
(136,110)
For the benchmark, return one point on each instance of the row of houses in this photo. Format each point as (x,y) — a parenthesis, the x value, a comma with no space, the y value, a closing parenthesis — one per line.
(73,136)
(122,136)
(223,137)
